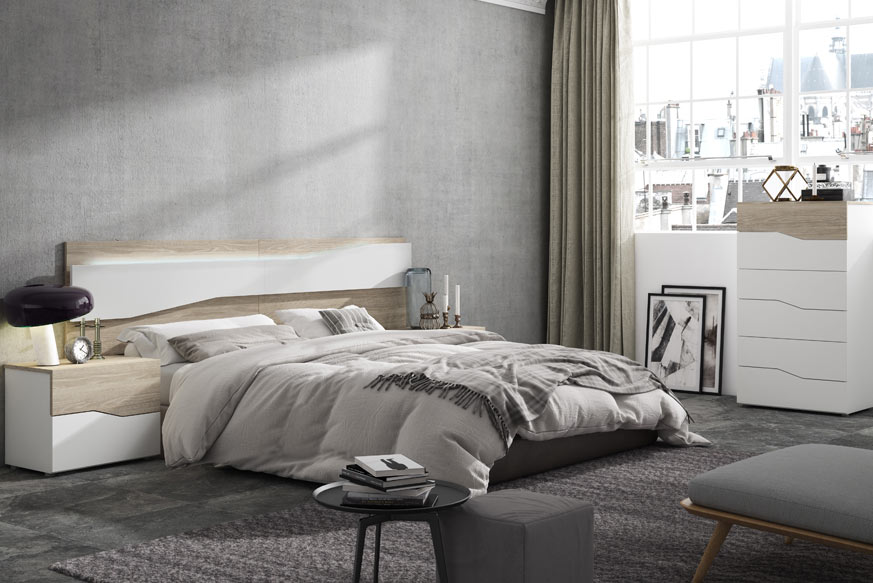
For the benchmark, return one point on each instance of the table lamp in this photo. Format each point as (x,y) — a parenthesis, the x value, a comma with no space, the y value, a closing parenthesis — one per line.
(39,306)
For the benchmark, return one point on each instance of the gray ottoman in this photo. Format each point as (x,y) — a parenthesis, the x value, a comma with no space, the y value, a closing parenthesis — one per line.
(517,536)
(821,493)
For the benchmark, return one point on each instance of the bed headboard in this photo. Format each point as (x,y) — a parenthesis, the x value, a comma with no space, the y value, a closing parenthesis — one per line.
(139,282)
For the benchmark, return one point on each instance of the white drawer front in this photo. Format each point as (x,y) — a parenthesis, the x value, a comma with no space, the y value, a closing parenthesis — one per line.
(778,251)
(816,290)
(770,319)
(802,358)
(81,440)
(773,388)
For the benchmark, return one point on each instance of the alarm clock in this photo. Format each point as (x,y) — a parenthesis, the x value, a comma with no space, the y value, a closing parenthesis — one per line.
(79,350)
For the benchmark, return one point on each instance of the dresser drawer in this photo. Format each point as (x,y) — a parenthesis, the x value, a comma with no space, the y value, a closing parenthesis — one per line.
(772,319)
(774,388)
(816,290)
(805,359)
(778,251)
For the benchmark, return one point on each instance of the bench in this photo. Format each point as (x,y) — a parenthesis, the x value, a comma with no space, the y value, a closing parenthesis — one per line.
(820,493)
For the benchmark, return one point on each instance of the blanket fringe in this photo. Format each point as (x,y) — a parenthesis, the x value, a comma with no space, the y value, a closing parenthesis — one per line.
(461,395)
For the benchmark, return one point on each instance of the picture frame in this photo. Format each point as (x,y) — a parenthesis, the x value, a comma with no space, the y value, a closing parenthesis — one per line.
(674,340)
(713,332)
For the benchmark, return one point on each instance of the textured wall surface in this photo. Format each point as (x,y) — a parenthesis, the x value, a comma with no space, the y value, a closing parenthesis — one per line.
(272,119)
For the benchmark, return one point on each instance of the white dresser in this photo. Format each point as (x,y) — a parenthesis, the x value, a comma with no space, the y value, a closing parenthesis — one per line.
(805,313)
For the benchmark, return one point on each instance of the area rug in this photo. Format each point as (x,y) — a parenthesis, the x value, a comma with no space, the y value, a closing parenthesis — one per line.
(641,535)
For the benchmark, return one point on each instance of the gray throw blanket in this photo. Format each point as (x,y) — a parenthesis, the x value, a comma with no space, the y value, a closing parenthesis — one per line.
(513,384)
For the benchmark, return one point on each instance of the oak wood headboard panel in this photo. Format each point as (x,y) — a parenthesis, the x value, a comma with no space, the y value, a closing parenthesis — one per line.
(386,304)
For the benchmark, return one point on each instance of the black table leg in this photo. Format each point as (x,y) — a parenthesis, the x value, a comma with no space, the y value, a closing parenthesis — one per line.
(439,553)
(376,551)
(359,550)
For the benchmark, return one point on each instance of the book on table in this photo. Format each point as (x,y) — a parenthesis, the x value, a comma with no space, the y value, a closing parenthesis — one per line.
(356,474)
(389,465)
(405,491)
(390,500)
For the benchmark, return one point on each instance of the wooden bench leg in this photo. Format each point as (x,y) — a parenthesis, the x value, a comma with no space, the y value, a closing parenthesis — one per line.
(721,531)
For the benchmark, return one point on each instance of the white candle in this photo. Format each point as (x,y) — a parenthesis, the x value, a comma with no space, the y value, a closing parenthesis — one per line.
(457,298)
(446,294)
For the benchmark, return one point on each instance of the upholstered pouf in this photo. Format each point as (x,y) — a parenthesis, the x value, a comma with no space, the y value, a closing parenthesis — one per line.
(517,536)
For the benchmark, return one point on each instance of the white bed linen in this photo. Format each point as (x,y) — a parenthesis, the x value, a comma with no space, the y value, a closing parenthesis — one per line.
(310,427)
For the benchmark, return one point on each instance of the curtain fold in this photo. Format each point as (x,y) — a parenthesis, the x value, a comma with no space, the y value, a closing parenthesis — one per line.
(591,247)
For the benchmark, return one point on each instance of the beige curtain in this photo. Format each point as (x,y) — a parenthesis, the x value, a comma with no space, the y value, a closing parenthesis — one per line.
(591,248)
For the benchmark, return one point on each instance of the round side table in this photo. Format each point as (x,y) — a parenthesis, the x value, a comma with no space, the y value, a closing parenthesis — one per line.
(447,495)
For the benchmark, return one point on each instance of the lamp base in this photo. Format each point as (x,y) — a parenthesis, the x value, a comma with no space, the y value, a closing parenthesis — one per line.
(44,345)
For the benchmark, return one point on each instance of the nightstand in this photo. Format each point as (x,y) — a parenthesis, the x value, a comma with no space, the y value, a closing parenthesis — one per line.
(72,416)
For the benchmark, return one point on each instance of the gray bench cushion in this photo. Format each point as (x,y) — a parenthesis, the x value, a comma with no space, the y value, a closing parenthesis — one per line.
(823,488)
(517,536)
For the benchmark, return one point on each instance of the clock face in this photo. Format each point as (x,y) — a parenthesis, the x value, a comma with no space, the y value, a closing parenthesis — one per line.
(79,350)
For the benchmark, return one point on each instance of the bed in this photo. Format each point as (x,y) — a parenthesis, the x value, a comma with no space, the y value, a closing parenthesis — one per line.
(288,428)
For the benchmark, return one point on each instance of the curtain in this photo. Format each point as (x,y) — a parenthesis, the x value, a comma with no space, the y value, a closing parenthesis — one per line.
(591,247)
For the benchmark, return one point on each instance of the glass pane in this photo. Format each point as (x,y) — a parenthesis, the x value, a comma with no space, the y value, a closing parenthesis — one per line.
(862,182)
(641,135)
(823,59)
(753,184)
(715,68)
(714,125)
(862,8)
(861,124)
(862,55)
(760,63)
(823,124)
(670,18)
(671,133)
(712,189)
(715,16)
(640,68)
(643,212)
(761,13)
(669,72)
(816,10)
(659,199)
(759,126)
(639,12)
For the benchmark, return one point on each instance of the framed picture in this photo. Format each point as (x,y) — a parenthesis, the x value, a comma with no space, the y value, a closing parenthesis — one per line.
(713,332)
(674,340)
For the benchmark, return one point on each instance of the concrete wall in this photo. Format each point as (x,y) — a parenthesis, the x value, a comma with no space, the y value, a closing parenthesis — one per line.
(676,258)
(273,119)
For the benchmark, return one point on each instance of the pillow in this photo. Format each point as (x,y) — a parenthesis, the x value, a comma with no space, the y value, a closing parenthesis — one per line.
(151,340)
(202,345)
(349,320)
(130,349)
(308,323)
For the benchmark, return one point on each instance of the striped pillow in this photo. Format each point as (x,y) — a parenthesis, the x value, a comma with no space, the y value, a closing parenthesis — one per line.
(349,320)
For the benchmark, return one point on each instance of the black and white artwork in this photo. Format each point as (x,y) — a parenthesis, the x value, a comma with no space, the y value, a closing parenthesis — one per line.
(713,332)
(674,339)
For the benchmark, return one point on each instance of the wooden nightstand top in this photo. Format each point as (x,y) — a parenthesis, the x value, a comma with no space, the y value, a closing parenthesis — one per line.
(118,385)
(115,363)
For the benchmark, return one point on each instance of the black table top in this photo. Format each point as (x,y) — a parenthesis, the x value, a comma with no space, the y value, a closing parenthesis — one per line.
(448,495)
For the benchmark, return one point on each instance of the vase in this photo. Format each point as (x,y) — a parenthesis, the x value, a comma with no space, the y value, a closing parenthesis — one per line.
(429,314)
(417,281)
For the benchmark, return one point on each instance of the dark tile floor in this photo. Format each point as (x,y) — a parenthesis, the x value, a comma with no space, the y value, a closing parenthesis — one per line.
(46,519)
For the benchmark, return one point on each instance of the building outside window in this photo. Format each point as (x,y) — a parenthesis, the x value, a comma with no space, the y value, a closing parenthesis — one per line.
(726,90)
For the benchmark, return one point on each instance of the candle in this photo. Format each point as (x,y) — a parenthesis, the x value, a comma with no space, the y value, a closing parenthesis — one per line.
(457,298)
(446,294)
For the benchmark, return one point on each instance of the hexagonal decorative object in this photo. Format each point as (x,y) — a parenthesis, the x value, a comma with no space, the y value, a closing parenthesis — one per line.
(785,183)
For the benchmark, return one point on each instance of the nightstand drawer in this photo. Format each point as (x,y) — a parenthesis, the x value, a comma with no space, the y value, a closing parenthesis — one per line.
(98,386)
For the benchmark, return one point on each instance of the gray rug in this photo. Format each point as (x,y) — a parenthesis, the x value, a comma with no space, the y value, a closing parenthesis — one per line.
(641,535)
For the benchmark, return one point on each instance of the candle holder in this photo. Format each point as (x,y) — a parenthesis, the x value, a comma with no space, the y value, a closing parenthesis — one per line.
(457,321)
(445,325)
(98,344)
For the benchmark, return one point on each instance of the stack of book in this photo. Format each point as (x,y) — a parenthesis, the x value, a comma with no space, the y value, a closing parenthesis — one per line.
(386,481)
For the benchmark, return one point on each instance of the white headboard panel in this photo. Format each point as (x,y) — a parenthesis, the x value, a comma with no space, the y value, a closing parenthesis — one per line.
(129,288)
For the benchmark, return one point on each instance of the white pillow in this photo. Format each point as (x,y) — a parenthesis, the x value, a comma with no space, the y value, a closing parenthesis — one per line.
(151,340)
(308,323)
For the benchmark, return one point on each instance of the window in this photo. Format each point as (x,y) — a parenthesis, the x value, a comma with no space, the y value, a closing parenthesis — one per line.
(723,91)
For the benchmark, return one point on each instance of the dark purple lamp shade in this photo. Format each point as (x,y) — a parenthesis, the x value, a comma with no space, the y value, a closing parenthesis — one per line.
(38,305)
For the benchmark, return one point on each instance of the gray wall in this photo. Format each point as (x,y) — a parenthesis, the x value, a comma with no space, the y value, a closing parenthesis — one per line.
(426,119)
